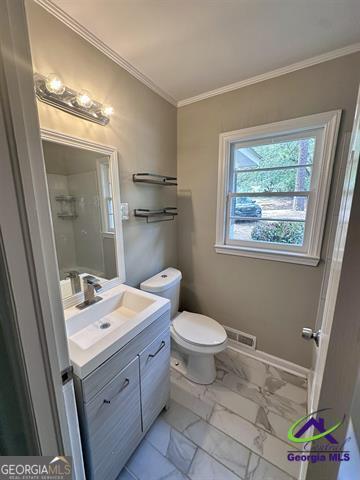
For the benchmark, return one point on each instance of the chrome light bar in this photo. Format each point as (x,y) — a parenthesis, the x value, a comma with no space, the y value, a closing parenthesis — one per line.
(65,98)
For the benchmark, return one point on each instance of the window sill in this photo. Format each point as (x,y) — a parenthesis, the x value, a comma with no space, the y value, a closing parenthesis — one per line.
(289,257)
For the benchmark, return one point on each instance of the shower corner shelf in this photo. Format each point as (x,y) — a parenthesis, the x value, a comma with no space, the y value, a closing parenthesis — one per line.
(160,215)
(67,206)
(65,198)
(154,179)
(66,215)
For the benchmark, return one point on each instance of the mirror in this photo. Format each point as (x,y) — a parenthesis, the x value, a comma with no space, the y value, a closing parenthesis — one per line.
(81,185)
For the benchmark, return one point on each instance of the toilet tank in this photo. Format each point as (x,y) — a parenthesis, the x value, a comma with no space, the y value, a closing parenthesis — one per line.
(165,284)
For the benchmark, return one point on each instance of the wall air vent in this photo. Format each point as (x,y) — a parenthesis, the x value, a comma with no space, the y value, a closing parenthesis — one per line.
(238,337)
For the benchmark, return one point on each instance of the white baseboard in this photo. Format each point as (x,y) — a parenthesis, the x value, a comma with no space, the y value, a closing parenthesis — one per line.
(271,360)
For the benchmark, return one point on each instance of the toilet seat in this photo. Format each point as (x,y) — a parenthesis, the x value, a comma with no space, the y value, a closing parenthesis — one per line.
(199,330)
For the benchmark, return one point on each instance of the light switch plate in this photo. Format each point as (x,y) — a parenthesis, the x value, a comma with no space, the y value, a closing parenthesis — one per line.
(124,210)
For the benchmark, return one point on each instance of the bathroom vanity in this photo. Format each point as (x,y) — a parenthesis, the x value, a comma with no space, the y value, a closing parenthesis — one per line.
(120,350)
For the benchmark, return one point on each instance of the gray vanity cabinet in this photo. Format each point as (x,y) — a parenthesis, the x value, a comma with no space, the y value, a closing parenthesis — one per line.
(113,421)
(154,378)
(118,401)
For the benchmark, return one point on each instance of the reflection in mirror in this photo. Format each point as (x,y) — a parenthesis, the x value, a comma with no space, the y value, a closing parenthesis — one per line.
(80,192)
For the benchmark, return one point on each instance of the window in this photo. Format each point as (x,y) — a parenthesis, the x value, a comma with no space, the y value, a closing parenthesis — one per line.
(106,201)
(273,188)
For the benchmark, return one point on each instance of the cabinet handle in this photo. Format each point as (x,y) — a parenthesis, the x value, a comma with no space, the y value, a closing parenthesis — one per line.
(162,345)
(123,386)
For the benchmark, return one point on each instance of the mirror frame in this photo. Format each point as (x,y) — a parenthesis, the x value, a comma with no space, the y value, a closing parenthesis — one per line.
(84,144)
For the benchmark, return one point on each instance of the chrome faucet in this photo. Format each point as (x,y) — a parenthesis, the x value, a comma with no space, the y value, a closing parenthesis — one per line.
(75,281)
(91,285)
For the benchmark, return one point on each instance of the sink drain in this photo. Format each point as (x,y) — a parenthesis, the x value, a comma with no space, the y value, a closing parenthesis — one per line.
(105,325)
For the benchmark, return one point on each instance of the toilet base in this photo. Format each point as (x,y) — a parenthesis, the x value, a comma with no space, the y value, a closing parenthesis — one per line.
(201,368)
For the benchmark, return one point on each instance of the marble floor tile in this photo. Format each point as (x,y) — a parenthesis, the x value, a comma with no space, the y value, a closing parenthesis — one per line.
(260,469)
(272,413)
(220,446)
(204,467)
(171,444)
(202,398)
(274,424)
(254,370)
(243,366)
(274,402)
(190,394)
(125,475)
(286,390)
(179,416)
(159,435)
(181,451)
(288,377)
(284,407)
(254,438)
(218,393)
(271,379)
(215,442)
(148,464)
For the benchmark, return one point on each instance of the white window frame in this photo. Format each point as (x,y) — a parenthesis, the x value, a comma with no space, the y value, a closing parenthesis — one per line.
(107,231)
(326,127)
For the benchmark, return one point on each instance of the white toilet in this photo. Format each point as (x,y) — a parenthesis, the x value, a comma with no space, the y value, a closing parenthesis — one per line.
(198,336)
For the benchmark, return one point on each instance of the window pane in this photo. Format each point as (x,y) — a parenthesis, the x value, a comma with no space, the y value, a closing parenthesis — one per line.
(111,222)
(289,233)
(284,153)
(109,205)
(253,208)
(286,180)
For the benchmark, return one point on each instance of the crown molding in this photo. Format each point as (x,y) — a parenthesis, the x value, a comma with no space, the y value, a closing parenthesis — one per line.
(65,18)
(325,57)
(70,22)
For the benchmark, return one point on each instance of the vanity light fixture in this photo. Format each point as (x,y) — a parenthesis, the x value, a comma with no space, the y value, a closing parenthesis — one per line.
(54,84)
(107,110)
(51,90)
(83,99)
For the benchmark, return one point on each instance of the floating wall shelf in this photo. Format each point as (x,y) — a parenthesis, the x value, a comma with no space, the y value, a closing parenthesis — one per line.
(154,178)
(152,216)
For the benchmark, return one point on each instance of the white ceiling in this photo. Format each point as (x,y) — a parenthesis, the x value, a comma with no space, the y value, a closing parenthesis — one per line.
(187,47)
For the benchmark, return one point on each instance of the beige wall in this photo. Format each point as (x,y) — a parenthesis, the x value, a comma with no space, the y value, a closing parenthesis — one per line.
(143,129)
(269,299)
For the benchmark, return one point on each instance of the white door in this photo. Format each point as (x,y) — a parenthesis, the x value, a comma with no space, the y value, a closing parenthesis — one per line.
(28,246)
(326,314)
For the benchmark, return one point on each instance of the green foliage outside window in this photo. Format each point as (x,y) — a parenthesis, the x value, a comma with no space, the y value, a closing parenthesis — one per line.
(279,232)
(280,154)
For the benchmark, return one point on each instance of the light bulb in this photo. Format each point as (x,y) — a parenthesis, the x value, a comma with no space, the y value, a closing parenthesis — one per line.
(107,110)
(83,99)
(54,84)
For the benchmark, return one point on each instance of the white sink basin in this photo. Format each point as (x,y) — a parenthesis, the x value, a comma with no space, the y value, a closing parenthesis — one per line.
(98,331)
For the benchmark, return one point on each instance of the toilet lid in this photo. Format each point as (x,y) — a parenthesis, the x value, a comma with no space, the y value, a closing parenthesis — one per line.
(199,329)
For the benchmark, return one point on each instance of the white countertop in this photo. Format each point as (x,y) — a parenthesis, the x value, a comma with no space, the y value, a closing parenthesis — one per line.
(86,357)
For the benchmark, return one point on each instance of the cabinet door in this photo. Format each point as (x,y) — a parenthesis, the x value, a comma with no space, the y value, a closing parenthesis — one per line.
(155,378)
(113,420)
